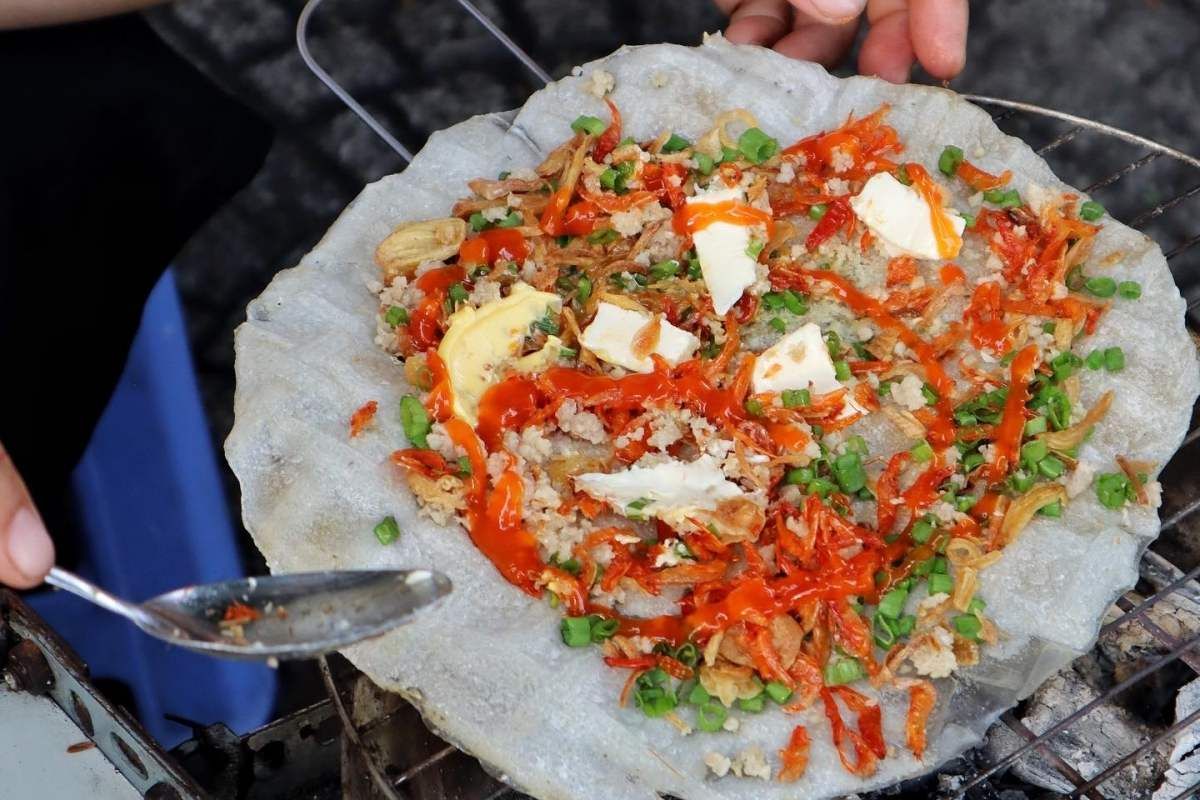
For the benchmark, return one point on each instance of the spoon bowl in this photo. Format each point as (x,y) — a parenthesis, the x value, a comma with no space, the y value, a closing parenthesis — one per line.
(300,615)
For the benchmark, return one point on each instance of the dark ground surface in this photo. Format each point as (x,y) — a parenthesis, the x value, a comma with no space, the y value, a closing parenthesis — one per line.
(421,66)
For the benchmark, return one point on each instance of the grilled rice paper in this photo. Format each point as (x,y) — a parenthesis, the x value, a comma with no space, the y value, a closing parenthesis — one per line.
(488,669)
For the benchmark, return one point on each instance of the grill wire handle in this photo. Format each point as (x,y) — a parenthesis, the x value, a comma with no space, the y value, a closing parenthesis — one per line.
(1178,650)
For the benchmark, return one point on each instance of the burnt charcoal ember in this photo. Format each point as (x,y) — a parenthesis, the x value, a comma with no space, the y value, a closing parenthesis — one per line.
(1184,770)
(1105,735)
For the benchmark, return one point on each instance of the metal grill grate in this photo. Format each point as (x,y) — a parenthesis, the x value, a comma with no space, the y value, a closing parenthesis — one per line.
(1180,172)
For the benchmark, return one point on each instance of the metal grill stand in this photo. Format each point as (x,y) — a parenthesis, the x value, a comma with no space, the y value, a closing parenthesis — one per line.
(426,774)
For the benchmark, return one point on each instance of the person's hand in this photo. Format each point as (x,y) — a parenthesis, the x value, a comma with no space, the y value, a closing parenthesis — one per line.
(932,31)
(26,552)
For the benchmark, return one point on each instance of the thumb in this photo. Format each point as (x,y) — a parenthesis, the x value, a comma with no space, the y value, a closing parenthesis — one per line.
(26,552)
(830,12)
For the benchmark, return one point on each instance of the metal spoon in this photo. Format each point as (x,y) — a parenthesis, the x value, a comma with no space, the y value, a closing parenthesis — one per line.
(293,616)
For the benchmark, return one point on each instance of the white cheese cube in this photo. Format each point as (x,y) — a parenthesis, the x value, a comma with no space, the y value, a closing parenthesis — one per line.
(671,491)
(900,218)
(727,268)
(611,335)
(799,360)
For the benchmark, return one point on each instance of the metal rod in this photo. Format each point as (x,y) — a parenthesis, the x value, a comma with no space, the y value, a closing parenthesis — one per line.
(508,43)
(1060,141)
(1122,172)
(1081,712)
(1084,122)
(1157,211)
(302,45)
(1139,610)
(1187,245)
(351,733)
(1164,638)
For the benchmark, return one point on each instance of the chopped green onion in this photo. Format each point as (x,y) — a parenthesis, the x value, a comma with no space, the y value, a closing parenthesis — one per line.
(675,144)
(754,407)
(603,628)
(929,393)
(548,324)
(711,716)
(698,696)
(464,467)
(843,670)
(820,487)
(940,583)
(941,565)
(856,444)
(478,221)
(396,315)
(922,568)
(1114,359)
(415,421)
(704,163)
(817,210)
(755,704)
(593,126)
(1051,467)
(902,175)
(1005,198)
(610,179)
(655,701)
(633,510)
(583,290)
(968,626)
(922,529)
(729,155)
(965,419)
(756,146)
(576,631)
(694,272)
(457,294)
(1051,509)
(1075,278)
(795,397)
(949,160)
(778,692)
(772,301)
(388,530)
(1113,489)
(976,606)
(884,634)
(796,304)
(513,219)
(1033,452)
(1035,426)
(567,352)
(754,249)
(603,236)
(1102,286)
(664,269)
(1021,481)
(778,325)
(1091,211)
(798,476)
(849,472)
(1129,290)
(922,452)
(891,605)
(841,370)
(834,343)
(687,654)
(904,626)
(969,219)
(972,460)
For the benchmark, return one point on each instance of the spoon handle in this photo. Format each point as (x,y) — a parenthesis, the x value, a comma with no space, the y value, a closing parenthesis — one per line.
(70,582)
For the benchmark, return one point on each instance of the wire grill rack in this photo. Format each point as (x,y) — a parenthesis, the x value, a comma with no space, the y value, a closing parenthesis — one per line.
(1078,148)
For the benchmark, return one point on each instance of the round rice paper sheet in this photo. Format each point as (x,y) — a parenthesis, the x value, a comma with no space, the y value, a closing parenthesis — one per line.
(487,668)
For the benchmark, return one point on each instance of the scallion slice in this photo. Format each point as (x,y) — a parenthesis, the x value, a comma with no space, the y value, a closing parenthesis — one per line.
(675,144)
(396,315)
(576,631)
(1091,211)
(940,583)
(415,421)
(949,160)
(817,210)
(1129,290)
(387,531)
(1101,286)
(756,146)
(711,716)
(593,126)
(1114,359)
(922,453)
(841,671)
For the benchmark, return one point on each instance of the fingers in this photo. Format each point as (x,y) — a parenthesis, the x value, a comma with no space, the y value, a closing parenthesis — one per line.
(756,21)
(26,552)
(830,12)
(939,35)
(887,51)
(819,42)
